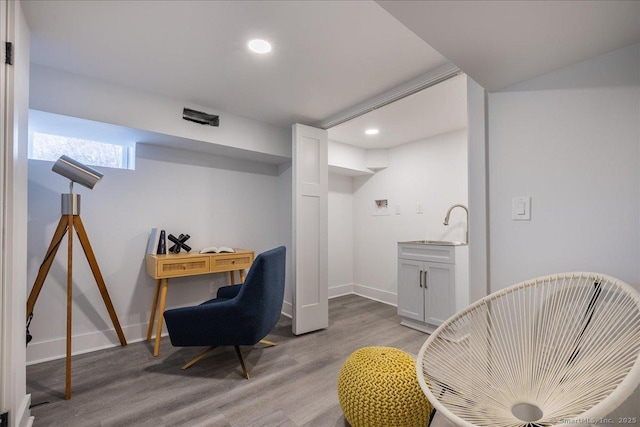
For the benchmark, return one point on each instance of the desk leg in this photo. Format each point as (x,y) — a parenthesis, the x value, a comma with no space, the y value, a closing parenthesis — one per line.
(233,278)
(241,276)
(152,318)
(163,301)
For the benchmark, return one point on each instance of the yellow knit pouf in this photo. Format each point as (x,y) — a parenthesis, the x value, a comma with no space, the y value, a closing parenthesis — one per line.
(378,387)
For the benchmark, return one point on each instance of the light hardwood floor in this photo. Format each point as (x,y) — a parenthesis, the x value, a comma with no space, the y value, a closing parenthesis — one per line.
(292,384)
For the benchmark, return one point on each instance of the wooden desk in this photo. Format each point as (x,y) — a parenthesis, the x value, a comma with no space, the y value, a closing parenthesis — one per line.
(164,267)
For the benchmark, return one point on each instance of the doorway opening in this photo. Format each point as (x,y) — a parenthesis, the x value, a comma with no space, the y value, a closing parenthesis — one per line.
(396,185)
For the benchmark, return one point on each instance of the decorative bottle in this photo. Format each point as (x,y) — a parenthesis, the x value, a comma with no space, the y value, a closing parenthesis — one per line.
(162,244)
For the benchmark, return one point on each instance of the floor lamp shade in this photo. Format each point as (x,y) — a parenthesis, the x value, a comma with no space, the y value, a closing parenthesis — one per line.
(76,171)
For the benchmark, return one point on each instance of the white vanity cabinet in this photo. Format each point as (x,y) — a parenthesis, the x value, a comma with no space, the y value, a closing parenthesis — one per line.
(431,283)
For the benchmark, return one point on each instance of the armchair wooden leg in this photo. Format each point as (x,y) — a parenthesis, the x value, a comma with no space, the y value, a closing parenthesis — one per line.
(244,368)
(210,349)
(198,357)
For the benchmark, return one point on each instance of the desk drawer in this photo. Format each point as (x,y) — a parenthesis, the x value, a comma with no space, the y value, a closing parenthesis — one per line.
(231,261)
(184,267)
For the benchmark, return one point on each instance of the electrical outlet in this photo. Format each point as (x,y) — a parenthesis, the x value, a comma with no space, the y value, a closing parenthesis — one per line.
(212,287)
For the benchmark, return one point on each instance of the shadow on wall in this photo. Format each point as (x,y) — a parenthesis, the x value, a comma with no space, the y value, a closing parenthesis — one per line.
(173,155)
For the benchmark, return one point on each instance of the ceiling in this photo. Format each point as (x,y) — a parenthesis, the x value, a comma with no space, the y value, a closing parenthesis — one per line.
(501,43)
(327,57)
(436,110)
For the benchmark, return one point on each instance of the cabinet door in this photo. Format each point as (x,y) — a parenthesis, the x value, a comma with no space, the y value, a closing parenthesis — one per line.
(410,290)
(439,292)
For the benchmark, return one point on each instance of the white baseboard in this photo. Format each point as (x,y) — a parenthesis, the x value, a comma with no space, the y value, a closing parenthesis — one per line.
(385,297)
(44,351)
(287,309)
(340,290)
(23,417)
(364,291)
(420,326)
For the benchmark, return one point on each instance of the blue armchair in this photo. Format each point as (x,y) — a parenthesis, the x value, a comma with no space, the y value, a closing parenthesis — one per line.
(240,315)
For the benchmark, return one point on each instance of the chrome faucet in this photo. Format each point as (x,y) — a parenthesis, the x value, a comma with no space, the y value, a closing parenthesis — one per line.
(446,220)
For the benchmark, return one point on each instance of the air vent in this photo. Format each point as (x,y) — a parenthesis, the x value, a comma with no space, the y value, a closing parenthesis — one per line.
(200,117)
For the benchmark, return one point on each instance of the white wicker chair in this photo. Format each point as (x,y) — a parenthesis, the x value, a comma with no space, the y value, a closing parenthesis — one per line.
(557,350)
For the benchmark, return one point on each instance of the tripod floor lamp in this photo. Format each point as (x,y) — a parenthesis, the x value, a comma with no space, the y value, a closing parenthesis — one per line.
(70,219)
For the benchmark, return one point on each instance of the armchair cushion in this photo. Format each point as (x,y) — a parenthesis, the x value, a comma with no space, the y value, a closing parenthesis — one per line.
(228,292)
(213,321)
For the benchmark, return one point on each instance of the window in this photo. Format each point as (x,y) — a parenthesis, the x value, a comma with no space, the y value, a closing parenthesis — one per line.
(45,146)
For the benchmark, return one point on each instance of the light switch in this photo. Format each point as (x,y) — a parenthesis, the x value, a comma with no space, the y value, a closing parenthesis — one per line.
(419,208)
(521,208)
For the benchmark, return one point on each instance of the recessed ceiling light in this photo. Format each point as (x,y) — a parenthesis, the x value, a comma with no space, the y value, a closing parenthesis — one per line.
(259,46)
(372,131)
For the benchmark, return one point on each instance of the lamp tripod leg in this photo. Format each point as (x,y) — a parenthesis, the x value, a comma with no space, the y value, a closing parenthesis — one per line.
(69,305)
(95,269)
(67,223)
(46,264)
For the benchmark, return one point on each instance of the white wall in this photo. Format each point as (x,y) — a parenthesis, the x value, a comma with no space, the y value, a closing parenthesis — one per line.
(432,172)
(217,200)
(346,158)
(175,190)
(478,191)
(570,140)
(68,94)
(285,230)
(340,235)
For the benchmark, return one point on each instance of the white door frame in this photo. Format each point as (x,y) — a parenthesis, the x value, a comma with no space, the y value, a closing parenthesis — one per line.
(13,215)
(5,138)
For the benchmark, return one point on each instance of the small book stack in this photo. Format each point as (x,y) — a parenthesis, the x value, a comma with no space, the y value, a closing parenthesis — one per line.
(216,250)
(157,243)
